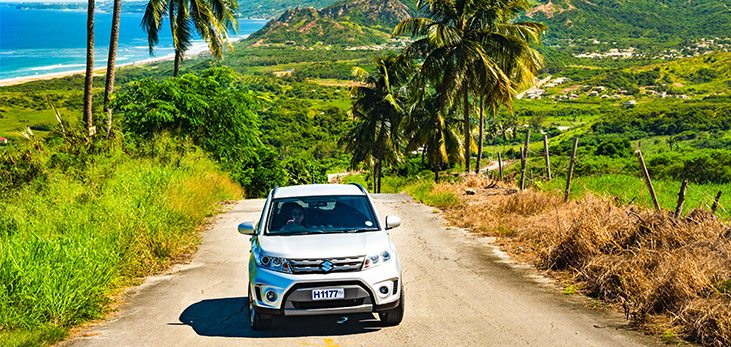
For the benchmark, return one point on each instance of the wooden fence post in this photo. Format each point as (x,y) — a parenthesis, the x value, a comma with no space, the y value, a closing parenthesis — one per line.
(527,141)
(681,198)
(643,169)
(500,165)
(548,161)
(571,170)
(715,202)
(523,166)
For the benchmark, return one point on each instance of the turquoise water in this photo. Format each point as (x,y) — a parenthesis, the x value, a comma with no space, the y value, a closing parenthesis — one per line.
(36,42)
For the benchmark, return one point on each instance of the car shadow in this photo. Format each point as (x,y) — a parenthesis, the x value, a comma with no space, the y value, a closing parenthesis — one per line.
(228,317)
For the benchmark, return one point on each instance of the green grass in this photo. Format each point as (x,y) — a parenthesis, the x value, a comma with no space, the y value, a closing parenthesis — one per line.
(424,191)
(69,239)
(632,189)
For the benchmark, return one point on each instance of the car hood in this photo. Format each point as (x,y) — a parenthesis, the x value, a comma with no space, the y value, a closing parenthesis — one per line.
(325,245)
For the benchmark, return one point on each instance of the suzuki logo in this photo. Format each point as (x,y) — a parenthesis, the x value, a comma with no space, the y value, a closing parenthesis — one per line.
(326,266)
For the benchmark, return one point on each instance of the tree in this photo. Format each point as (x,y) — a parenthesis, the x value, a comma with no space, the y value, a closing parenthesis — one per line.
(377,108)
(89,75)
(468,42)
(210,18)
(449,40)
(508,43)
(213,114)
(436,132)
(111,62)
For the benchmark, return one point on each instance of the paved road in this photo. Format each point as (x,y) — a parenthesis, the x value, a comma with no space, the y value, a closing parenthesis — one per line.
(460,291)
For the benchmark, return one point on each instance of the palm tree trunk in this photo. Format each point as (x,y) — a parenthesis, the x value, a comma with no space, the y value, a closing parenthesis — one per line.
(482,134)
(111,62)
(378,190)
(436,170)
(89,77)
(177,63)
(466,130)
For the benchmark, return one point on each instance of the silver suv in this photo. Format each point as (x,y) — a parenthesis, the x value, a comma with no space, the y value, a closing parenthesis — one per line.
(322,249)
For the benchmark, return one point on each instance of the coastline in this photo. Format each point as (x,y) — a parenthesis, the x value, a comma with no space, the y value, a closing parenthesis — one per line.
(193,52)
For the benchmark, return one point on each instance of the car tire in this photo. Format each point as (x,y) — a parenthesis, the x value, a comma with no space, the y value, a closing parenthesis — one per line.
(256,320)
(393,316)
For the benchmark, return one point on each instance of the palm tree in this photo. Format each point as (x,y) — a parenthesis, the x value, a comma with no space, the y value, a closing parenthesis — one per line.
(450,42)
(89,76)
(111,61)
(509,44)
(377,109)
(210,18)
(437,132)
(453,39)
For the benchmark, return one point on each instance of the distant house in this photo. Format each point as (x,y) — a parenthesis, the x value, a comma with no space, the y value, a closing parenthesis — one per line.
(3,140)
(630,102)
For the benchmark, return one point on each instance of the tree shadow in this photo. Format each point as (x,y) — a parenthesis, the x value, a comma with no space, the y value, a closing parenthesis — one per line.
(228,317)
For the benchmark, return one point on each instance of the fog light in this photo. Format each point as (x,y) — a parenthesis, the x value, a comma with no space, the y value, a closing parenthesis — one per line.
(383,290)
(271,296)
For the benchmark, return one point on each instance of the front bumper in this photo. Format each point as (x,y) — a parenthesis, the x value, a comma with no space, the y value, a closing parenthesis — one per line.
(372,290)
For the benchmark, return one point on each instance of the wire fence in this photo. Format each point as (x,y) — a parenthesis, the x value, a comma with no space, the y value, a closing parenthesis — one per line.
(533,171)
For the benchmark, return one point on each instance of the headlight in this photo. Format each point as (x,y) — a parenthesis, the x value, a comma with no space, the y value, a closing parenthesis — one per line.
(373,260)
(271,263)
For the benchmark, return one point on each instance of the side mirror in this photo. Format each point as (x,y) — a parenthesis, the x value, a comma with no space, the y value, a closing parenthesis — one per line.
(392,222)
(247,228)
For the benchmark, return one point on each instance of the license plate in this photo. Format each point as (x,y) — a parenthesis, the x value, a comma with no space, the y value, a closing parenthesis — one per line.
(328,294)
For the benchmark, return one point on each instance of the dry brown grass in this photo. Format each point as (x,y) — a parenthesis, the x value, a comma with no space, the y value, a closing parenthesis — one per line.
(662,271)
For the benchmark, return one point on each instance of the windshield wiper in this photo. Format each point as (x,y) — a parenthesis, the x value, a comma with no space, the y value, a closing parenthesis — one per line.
(359,230)
(294,233)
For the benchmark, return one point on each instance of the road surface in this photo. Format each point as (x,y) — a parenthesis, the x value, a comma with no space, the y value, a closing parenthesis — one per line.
(460,291)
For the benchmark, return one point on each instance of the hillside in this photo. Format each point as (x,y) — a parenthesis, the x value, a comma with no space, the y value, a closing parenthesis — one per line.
(636,22)
(347,23)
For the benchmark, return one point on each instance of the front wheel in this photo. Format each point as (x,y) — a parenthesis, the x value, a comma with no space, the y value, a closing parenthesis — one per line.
(256,320)
(393,316)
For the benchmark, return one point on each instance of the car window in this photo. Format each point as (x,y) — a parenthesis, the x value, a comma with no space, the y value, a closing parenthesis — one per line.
(321,214)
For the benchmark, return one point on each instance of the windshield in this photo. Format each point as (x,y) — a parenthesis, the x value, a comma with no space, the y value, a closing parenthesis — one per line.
(321,214)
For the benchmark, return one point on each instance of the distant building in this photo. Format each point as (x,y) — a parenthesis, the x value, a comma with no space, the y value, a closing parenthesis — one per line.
(3,140)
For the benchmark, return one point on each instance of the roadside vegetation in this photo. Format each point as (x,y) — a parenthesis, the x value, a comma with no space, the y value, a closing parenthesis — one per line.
(81,217)
(670,276)
(81,220)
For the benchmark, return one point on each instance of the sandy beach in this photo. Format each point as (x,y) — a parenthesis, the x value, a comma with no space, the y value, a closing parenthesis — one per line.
(102,68)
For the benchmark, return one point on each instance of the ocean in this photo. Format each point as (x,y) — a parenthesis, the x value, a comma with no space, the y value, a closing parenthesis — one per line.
(35,42)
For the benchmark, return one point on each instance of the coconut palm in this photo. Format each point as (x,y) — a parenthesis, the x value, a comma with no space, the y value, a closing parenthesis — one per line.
(508,43)
(449,41)
(89,75)
(111,61)
(452,41)
(377,109)
(210,18)
(434,130)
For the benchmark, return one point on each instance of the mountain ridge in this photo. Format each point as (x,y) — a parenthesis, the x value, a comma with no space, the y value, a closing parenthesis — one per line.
(347,23)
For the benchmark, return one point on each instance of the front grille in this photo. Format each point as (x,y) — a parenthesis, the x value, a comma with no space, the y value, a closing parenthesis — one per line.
(309,266)
(305,305)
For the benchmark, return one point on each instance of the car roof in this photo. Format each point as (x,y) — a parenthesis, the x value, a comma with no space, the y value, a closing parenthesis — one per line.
(317,190)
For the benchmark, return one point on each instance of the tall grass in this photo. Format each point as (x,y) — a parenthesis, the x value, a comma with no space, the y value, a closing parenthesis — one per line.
(632,189)
(665,273)
(69,240)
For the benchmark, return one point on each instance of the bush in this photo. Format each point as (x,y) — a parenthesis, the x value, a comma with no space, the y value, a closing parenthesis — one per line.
(700,166)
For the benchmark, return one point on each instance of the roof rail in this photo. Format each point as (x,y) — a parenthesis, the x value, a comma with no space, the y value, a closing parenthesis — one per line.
(274,191)
(360,187)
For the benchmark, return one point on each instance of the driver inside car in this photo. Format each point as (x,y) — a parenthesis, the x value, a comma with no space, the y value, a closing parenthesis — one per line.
(297,220)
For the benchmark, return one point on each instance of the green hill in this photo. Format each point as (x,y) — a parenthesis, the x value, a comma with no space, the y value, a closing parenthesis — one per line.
(636,22)
(346,23)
